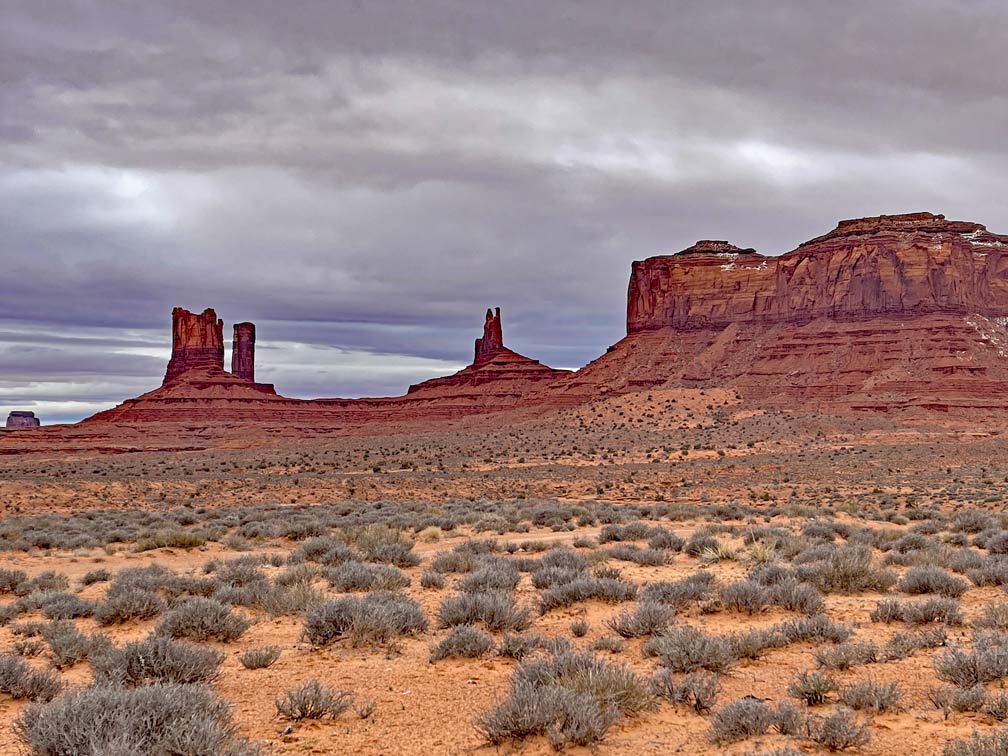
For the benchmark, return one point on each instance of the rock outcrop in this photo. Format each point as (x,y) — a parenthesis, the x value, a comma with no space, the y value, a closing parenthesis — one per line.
(197,342)
(22,419)
(492,341)
(243,351)
(890,265)
(880,313)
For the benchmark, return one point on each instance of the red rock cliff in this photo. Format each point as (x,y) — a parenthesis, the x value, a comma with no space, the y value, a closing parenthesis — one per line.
(243,351)
(889,265)
(197,342)
(493,338)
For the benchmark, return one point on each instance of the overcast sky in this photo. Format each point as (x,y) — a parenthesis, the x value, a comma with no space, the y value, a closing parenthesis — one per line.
(363,178)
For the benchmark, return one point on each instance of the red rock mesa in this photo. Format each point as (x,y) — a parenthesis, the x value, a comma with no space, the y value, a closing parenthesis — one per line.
(197,342)
(22,419)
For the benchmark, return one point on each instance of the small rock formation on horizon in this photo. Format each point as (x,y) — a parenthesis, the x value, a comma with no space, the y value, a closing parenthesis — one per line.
(493,338)
(243,351)
(197,342)
(18,419)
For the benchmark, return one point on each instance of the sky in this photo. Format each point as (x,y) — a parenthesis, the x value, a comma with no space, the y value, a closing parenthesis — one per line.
(363,178)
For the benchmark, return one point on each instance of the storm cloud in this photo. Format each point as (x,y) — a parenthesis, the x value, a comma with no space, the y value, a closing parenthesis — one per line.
(363,179)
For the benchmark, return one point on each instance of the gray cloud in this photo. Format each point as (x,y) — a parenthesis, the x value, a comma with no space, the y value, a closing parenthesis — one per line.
(363,179)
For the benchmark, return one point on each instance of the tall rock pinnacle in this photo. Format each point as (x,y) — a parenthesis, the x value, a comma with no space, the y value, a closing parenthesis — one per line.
(493,338)
(243,351)
(197,342)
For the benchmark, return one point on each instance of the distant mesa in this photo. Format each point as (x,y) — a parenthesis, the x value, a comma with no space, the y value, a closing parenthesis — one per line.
(18,419)
(881,313)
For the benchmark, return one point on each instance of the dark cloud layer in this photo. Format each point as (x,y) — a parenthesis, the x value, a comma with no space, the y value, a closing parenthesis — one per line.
(363,178)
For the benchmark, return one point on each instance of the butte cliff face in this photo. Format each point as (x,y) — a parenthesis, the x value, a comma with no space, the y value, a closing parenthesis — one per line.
(880,313)
(19,419)
(197,342)
(243,351)
(897,265)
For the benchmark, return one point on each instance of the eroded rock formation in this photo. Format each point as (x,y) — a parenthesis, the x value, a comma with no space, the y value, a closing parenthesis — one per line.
(243,351)
(492,341)
(197,342)
(889,265)
(22,419)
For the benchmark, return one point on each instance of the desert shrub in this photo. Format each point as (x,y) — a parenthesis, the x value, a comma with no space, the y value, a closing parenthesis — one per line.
(986,661)
(846,655)
(817,627)
(44,582)
(993,616)
(745,596)
(994,743)
(628,552)
(996,706)
(752,644)
(868,695)
(666,540)
(259,658)
(174,538)
(633,531)
(99,575)
(373,618)
(930,579)
(700,542)
(609,644)
(203,619)
(687,649)
(797,596)
(839,730)
(847,569)
(495,575)
(679,593)
(65,606)
(11,579)
(313,700)
(357,576)
(68,645)
(128,604)
(938,609)
(950,699)
(645,619)
(570,697)
(699,690)
(463,641)
(496,610)
(579,628)
(812,687)
(902,645)
(178,719)
(24,683)
(156,660)
(748,717)
(518,646)
(585,588)
(432,579)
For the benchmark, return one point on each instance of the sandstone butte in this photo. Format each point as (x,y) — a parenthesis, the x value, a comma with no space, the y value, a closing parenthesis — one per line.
(887,313)
(21,419)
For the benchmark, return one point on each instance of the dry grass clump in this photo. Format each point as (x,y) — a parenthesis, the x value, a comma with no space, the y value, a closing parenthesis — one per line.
(203,619)
(699,690)
(748,717)
(644,620)
(24,683)
(871,696)
(156,660)
(838,731)
(496,610)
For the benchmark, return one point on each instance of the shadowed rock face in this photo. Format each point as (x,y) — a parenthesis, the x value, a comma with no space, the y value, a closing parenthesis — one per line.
(493,338)
(20,419)
(888,265)
(197,342)
(243,351)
